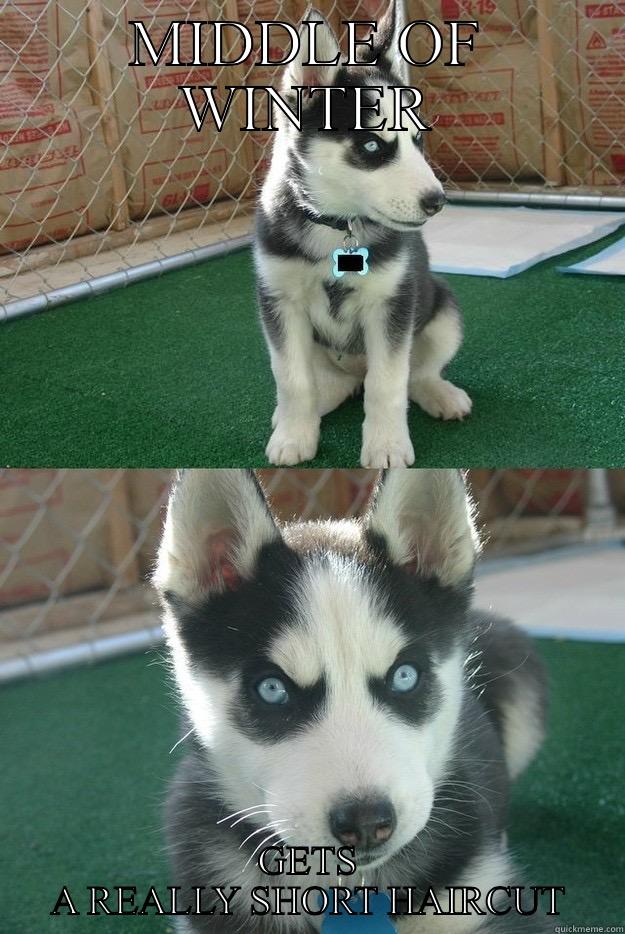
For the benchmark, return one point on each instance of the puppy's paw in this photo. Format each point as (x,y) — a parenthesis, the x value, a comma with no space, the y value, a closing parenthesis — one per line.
(291,443)
(440,398)
(386,447)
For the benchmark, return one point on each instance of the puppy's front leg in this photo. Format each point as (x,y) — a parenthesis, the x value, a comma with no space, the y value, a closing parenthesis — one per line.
(296,418)
(385,438)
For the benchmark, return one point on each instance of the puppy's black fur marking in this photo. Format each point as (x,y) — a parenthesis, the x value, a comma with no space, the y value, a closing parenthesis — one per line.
(355,343)
(279,235)
(272,321)
(506,659)
(228,628)
(337,292)
(401,311)
(270,723)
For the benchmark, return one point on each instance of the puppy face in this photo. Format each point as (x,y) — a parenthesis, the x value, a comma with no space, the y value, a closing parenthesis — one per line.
(370,172)
(379,174)
(326,675)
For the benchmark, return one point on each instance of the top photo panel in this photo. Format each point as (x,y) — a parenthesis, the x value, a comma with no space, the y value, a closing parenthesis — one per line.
(376,233)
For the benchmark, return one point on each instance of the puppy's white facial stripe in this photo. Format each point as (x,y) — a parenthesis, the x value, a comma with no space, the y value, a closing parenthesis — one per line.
(441,731)
(343,634)
(387,135)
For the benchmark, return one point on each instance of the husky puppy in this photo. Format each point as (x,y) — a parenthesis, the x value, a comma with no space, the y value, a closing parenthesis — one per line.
(340,690)
(395,328)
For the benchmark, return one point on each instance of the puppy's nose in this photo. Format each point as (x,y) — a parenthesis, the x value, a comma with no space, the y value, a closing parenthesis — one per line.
(432,202)
(363,823)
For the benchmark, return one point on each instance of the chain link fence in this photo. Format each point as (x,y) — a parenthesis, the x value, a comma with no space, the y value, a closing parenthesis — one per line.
(104,179)
(77,546)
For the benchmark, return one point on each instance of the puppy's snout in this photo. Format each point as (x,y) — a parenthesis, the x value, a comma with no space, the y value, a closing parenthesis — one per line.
(432,202)
(363,823)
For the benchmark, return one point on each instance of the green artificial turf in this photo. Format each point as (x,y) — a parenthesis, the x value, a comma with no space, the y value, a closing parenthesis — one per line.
(174,371)
(85,759)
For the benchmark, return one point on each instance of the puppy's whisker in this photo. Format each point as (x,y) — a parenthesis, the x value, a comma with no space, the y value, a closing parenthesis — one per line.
(271,836)
(270,826)
(265,790)
(249,816)
(252,807)
(181,740)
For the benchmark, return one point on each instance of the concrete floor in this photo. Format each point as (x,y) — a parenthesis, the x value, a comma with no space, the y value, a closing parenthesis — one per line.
(576,593)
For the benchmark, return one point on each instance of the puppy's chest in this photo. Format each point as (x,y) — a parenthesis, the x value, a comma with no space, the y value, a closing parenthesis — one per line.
(339,307)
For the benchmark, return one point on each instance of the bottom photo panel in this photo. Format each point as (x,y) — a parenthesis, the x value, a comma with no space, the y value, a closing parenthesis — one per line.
(312,700)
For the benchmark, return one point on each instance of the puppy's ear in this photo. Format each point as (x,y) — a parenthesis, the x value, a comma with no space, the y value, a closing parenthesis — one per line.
(425,518)
(217,522)
(326,50)
(385,40)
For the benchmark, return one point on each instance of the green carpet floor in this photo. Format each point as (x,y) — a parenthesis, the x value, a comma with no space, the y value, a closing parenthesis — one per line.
(85,758)
(174,372)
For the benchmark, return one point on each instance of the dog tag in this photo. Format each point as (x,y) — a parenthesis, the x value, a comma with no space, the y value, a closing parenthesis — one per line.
(378,921)
(350,260)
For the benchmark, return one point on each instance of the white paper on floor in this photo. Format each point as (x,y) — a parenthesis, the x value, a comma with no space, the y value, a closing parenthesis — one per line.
(503,241)
(609,262)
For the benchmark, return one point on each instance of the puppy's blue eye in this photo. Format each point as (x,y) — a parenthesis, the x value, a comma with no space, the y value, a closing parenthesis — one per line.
(371,145)
(405,678)
(272,691)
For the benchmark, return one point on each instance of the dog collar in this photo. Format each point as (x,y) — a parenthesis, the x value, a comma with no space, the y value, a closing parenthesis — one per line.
(352,257)
(327,220)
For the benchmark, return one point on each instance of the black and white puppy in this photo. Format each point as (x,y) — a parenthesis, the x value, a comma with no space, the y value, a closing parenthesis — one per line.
(340,690)
(395,328)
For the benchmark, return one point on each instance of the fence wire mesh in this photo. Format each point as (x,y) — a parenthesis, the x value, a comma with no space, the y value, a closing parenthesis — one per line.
(77,546)
(101,168)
